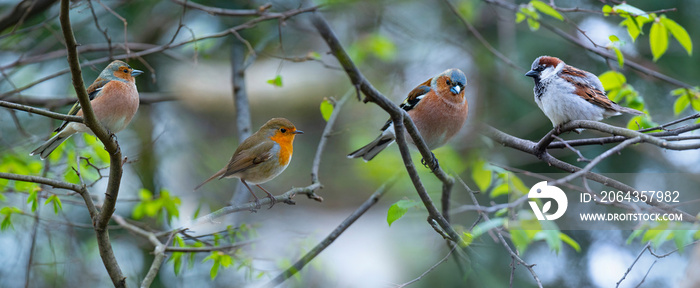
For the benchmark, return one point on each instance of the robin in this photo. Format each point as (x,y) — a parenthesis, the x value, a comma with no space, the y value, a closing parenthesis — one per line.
(262,156)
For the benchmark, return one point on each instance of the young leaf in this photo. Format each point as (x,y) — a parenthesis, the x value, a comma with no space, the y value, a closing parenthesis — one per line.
(326,109)
(612,80)
(277,81)
(546,9)
(620,58)
(629,9)
(632,27)
(680,104)
(481,175)
(398,209)
(658,40)
(679,33)
(570,241)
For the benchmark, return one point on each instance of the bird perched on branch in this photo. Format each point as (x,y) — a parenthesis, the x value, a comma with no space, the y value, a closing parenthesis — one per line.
(262,156)
(565,93)
(437,107)
(114,99)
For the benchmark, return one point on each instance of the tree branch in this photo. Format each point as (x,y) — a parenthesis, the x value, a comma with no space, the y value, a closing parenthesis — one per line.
(30,109)
(398,117)
(101,219)
(332,236)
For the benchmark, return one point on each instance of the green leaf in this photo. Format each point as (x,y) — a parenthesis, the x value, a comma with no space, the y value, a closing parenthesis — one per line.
(632,28)
(467,239)
(398,209)
(519,17)
(533,24)
(502,189)
(682,238)
(629,9)
(520,239)
(551,237)
(482,175)
(571,242)
(33,199)
(546,9)
(57,206)
(606,10)
(620,58)
(658,40)
(314,55)
(633,235)
(679,33)
(613,38)
(326,109)
(680,104)
(485,226)
(612,80)
(277,81)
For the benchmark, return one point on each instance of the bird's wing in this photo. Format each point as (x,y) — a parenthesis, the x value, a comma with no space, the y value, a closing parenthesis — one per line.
(590,90)
(244,159)
(413,98)
(93,92)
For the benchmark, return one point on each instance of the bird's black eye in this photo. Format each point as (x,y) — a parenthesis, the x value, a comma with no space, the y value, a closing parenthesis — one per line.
(126,70)
(448,82)
(539,68)
(283,130)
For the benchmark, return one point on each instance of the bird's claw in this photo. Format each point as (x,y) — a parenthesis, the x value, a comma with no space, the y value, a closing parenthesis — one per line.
(434,162)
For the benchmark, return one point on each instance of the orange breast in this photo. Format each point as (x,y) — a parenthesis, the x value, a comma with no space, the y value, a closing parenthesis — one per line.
(286,149)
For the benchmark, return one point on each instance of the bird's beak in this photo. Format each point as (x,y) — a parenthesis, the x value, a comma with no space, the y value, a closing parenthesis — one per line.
(135,73)
(298,132)
(532,73)
(455,89)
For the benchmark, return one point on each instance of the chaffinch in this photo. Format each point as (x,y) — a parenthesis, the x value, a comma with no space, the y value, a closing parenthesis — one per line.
(114,100)
(437,107)
(262,156)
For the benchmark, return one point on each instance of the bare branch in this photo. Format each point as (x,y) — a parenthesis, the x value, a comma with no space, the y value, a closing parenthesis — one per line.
(54,115)
(333,235)
(632,265)
(597,160)
(399,118)
(102,219)
(429,270)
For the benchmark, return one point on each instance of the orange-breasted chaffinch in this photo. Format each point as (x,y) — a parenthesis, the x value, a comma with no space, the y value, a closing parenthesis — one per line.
(262,156)
(437,107)
(114,100)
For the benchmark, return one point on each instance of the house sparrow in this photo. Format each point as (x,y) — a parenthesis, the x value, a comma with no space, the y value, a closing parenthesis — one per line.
(565,93)
(437,107)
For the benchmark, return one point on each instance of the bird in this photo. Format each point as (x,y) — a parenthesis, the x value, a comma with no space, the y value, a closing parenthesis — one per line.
(565,93)
(114,99)
(437,107)
(261,157)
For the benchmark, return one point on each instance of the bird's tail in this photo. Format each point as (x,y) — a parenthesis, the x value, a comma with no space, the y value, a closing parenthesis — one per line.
(372,149)
(630,111)
(216,175)
(45,149)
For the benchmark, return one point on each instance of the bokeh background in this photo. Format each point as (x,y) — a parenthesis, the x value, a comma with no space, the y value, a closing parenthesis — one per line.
(176,144)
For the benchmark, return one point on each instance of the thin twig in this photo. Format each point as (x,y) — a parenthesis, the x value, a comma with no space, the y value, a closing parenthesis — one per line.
(333,235)
(429,269)
(597,160)
(632,265)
